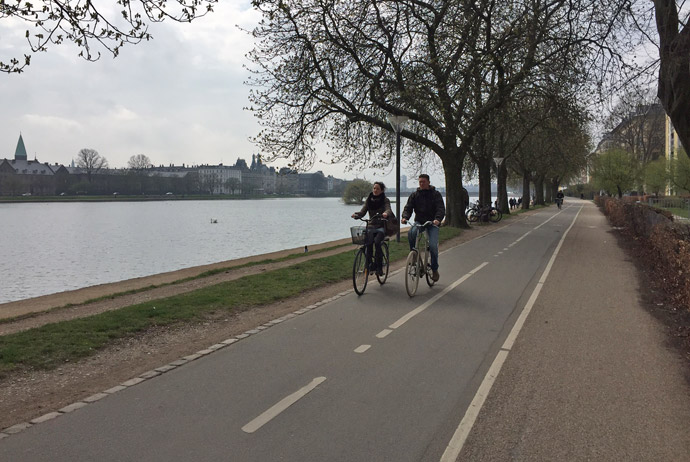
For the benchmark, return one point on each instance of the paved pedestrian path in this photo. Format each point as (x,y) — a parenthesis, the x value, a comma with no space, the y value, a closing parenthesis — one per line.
(592,375)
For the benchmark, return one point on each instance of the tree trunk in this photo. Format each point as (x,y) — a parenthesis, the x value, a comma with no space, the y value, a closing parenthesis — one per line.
(674,69)
(525,190)
(553,190)
(455,202)
(502,188)
(539,190)
(484,167)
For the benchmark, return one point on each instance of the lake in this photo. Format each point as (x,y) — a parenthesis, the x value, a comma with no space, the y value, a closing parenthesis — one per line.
(58,246)
(53,247)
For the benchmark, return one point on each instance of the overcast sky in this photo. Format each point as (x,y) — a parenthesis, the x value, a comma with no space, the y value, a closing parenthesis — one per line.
(177,99)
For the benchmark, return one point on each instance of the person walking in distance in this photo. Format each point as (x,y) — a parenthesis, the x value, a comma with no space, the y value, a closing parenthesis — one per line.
(427,205)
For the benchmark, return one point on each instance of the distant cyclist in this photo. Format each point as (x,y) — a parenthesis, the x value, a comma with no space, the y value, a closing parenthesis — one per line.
(427,205)
(559,199)
(376,203)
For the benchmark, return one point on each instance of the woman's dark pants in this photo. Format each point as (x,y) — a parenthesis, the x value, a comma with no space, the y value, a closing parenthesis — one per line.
(374,238)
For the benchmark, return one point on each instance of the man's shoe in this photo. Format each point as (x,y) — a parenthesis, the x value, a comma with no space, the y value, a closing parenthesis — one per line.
(435,276)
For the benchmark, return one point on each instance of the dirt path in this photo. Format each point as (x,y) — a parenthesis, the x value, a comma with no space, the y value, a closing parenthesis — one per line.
(26,395)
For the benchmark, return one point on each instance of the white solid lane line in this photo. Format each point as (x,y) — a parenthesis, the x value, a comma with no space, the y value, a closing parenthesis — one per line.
(281,405)
(462,432)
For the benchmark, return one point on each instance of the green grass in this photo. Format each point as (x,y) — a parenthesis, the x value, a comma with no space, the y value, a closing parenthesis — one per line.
(51,345)
(191,278)
(680,212)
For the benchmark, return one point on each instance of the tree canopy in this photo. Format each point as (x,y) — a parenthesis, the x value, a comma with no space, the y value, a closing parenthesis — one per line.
(330,73)
(91,161)
(356,191)
(89,25)
(139,162)
(615,171)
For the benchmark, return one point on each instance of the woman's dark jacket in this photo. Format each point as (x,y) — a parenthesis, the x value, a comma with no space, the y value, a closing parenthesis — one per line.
(427,205)
(374,205)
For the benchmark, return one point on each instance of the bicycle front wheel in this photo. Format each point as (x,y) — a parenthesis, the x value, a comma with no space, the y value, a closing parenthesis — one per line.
(385,265)
(428,273)
(412,273)
(472,215)
(495,215)
(360,272)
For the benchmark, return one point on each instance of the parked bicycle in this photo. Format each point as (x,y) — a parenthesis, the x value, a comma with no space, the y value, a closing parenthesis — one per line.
(475,212)
(360,269)
(419,261)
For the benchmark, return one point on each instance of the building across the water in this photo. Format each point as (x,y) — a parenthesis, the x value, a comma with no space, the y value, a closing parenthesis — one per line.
(23,176)
(20,176)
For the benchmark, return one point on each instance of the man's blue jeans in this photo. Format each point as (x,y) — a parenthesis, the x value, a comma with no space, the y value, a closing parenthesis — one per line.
(433,242)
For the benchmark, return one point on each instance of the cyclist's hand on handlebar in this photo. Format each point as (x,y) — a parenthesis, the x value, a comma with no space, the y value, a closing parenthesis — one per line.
(403,221)
(355,215)
(437,223)
(384,215)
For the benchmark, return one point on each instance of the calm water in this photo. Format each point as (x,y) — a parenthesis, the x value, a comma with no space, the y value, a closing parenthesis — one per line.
(53,247)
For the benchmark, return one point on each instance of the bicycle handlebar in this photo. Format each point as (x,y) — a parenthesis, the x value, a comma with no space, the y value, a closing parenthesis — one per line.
(367,220)
(425,224)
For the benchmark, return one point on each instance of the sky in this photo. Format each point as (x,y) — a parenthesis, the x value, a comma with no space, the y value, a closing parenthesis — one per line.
(178,98)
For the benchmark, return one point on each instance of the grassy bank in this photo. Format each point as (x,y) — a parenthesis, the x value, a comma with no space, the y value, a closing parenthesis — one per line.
(53,344)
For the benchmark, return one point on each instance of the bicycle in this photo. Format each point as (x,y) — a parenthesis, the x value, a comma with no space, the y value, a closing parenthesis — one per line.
(360,271)
(559,202)
(488,213)
(472,212)
(419,261)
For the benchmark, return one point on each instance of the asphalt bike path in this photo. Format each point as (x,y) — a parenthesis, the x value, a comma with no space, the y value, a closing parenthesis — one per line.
(378,377)
(591,376)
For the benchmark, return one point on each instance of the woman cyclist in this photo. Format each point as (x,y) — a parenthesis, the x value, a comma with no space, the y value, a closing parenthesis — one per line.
(376,203)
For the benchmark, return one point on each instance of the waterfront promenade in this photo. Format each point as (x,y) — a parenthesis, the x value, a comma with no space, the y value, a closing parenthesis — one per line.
(585,372)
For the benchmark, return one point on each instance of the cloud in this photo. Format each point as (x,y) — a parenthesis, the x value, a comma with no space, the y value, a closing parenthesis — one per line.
(123,114)
(42,122)
(178,98)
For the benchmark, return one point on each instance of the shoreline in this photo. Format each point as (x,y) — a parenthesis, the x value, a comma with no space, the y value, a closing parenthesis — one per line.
(79,296)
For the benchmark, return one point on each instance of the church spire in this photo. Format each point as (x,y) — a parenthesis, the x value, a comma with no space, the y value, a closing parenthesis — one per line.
(20,152)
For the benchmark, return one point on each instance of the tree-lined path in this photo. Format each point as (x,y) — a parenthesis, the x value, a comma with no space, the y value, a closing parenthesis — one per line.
(385,377)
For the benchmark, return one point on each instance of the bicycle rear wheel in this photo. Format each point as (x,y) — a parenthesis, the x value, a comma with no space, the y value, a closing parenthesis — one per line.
(385,265)
(495,215)
(412,273)
(360,272)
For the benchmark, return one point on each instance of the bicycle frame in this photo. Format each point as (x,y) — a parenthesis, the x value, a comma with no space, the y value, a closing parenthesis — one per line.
(418,264)
(360,270)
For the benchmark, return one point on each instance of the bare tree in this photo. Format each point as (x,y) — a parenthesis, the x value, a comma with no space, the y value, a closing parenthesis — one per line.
(91,162)
(139,162)
(637,124)
(85,24)
(332,73)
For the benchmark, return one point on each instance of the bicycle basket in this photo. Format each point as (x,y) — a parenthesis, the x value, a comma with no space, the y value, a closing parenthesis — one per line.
(359,234)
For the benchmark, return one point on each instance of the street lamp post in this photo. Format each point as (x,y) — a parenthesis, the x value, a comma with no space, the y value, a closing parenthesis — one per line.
(398,123)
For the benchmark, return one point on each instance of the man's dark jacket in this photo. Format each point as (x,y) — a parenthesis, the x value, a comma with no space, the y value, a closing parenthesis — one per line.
(427,205)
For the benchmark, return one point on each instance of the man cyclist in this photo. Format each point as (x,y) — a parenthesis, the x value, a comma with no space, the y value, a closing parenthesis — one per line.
(559,198)
(427,205)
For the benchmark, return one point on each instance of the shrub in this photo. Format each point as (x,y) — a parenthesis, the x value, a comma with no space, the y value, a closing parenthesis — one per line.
(668,241)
